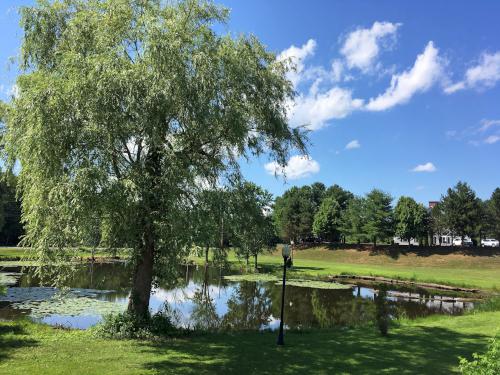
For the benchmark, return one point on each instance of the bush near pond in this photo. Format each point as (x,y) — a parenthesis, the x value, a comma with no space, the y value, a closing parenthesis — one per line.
(483,364)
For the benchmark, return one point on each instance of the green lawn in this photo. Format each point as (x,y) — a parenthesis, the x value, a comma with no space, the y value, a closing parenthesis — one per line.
(8,254)
(429,346)
(453,269)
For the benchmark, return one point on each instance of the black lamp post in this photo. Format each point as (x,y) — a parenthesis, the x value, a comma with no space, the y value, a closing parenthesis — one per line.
(286,254)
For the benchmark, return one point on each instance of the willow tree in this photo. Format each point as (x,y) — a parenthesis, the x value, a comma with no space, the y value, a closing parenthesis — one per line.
(124,106)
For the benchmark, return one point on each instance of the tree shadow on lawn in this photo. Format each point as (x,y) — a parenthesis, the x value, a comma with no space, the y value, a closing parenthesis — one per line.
(418,350)
(13,336)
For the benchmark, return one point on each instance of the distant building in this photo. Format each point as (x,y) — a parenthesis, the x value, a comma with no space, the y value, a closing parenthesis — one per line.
(433,204)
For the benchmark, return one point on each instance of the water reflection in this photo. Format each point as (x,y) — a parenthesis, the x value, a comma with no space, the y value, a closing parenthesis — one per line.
(202,299)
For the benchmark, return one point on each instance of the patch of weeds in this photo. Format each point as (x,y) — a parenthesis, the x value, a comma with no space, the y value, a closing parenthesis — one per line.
(491,304)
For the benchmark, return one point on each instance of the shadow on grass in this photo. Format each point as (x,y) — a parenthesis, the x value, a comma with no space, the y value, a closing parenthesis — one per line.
(13,336)
(416,351)
(395,251)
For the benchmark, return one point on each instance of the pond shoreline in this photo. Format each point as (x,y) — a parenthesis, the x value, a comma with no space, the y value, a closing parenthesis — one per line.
(423,285)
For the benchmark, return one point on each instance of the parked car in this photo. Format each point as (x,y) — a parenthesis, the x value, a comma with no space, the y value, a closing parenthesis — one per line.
(490,242)
(465,242)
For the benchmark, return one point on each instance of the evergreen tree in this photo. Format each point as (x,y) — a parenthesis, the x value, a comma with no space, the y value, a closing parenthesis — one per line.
(379,216)
(461,209)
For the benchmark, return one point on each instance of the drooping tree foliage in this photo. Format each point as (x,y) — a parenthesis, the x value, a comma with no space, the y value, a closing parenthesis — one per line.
(210,219)
(252,226)
(123,107)
(11,228)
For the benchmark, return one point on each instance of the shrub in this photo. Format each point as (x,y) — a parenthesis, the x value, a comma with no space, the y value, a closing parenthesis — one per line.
(483,364)
(127,326)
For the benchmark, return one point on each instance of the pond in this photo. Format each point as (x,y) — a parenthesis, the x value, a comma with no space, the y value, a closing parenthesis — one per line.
(202,298)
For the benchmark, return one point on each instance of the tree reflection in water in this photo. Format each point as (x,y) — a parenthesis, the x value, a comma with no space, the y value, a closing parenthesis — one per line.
(204,313)
(249,307)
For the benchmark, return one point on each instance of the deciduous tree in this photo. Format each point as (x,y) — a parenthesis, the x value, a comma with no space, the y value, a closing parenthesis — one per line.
(123,106)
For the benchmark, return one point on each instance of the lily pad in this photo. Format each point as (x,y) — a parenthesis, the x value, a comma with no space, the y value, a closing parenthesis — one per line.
(69,307)
(45,301)
(47,293)
(315,284)
(252,277)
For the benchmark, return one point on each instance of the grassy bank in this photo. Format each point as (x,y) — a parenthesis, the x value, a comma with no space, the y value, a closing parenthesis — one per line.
(427,346)
(453,269)
(14,254)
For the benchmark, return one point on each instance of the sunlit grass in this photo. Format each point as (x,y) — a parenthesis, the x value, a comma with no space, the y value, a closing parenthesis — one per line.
(425,346)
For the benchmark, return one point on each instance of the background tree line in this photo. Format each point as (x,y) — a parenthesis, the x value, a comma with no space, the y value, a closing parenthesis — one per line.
(314,212)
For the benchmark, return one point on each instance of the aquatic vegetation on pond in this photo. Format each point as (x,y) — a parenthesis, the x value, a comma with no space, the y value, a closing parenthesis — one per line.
(8,278)
(69,306)
(254,277)
(45,301)
(316,284)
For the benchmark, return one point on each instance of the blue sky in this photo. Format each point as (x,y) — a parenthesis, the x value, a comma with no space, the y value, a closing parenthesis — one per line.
(412,87)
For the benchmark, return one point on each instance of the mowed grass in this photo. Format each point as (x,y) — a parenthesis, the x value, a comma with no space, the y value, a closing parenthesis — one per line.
(453,269)
(428,346)
(19,253)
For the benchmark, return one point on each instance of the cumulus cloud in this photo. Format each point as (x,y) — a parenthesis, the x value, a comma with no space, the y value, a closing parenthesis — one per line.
(492,139)
(362,46)
(315,109)
(481,76)
(297,167)
(352,145)
(421,77)
(297,55)
(427,167)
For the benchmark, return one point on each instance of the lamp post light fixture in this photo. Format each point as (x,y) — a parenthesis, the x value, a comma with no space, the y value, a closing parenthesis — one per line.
(286,254)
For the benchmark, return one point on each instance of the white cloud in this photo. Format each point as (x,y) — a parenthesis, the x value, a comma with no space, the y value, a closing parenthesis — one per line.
(297,167)
(297,55)
(316,109)
(484,75)
(427,167)
(421,77)
(492,139)
(487,124)
(337,69)
(487,131)
(352,145)
(362,46)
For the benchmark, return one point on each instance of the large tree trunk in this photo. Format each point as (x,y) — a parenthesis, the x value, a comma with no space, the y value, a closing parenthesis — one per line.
(255,259)
(206,255)
(142,278)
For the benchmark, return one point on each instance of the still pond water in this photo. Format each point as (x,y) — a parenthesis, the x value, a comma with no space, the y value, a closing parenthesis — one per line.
(202,299)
